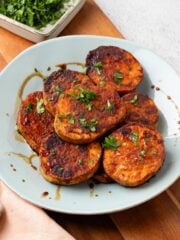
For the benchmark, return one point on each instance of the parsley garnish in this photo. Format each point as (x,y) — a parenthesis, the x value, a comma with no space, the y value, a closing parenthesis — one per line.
(62,116)
(67,115)
(89,106)
(59,169)
(80,162)
(71,119)
(110,142)
(98,66)
(134,138)
(83,122)
(36,14)
(142,152)
(84,96)
(53,152)
(40,107)
(134,99)
(118,76)
(102,83)
(91,125)
(58,90)
(110,106)
(29,107)
(85,68)
(91,162)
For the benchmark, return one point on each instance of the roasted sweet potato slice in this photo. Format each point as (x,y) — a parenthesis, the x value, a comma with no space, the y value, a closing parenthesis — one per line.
(140,109)
(114,67)
(55,85)
(34,122)
(65,163)
(133,154)
(86,112)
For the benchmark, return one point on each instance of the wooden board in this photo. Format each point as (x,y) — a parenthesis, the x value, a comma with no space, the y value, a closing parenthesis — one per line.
(156,219)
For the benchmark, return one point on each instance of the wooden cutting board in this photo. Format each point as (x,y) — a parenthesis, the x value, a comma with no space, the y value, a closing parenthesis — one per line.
(156,219)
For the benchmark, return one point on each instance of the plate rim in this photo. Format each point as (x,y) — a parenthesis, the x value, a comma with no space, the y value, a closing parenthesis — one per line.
(110,210)
(36,45)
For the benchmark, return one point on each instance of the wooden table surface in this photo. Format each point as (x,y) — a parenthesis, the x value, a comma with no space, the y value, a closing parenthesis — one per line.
(156,219)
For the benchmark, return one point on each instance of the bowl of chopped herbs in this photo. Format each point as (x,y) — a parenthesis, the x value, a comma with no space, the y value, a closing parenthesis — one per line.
(38,20)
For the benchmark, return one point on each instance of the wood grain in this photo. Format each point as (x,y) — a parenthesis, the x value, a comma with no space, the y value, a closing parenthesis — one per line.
(157,219)
(175,190)
(11,45)
(3,62)
(89,227)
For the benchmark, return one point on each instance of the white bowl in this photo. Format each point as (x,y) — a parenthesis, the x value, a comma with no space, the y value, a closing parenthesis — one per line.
(50,31)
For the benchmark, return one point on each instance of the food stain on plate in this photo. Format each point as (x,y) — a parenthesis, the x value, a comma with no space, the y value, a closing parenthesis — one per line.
(58,193)
(44,194)
(27,159)
(172,101)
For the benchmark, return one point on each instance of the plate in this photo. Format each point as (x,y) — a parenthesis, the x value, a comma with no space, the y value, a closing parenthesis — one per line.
(51,30)
(160,82)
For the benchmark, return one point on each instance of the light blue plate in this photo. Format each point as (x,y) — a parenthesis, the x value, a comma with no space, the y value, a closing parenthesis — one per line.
(80,199)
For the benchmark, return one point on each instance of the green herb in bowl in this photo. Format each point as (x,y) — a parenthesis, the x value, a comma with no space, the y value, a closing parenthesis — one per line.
(34,13)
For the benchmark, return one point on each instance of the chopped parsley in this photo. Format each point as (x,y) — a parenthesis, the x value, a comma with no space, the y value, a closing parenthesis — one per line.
(80,162)
(62,116)
(142,152)
(85,68)
(110,142)
(67,115)
(58,90)
(83,122)
(89,106)
(134,138)
(91,125)
(71,119)
(98,66)
(35,14)
(102,83)
(29,107)
(118,76)
(84,96)
(40,106)
(53,152)
(91,162)
(134,99)
(59,169)
(110,106)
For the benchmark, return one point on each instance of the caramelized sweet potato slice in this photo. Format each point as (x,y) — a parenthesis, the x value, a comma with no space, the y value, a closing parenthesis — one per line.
(140,109)
(135,154)
(86,112)
(57,83)
(114,67)
(65,163)
(34,122)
